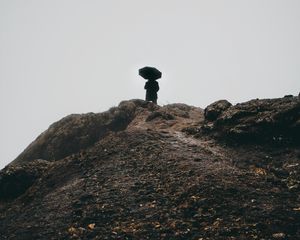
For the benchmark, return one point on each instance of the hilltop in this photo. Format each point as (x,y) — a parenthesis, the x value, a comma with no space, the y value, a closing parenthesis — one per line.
(143,171)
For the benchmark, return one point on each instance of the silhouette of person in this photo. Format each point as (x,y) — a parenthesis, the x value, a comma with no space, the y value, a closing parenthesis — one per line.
(152,88)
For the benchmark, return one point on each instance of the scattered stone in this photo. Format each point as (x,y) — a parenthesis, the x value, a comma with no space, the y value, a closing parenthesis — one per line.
(91,226)
(279,235)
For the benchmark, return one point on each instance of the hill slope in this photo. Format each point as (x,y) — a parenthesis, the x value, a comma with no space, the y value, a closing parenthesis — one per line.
(141,171)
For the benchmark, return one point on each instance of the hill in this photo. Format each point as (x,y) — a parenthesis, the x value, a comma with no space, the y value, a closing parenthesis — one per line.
(142,171)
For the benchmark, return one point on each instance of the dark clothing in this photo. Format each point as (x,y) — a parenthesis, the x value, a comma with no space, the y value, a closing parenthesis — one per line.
(152,88)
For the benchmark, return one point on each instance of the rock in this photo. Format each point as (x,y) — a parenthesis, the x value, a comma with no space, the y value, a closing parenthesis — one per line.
(213,110)
(179,110)
(161,179)
(162,115)
(261,120)
(278,235)
(79,131)
(91,226)
(15,180)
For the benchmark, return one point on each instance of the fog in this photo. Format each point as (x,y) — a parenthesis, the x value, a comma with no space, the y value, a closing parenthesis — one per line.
(59,57)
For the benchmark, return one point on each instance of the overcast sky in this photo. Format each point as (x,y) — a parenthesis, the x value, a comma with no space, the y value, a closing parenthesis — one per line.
(59,57)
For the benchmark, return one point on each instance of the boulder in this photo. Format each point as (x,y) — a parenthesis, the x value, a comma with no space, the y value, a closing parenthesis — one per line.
(213,111)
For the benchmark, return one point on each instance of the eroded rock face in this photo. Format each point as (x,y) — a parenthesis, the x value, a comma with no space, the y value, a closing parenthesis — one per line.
(259,120)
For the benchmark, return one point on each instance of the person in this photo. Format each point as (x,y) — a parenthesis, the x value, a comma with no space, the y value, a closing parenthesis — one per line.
(152,88)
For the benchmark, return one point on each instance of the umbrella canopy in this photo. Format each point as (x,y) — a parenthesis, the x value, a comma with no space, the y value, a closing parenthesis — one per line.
(150,73)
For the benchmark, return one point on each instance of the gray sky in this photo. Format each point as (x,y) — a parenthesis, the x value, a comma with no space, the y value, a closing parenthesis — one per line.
(75,56)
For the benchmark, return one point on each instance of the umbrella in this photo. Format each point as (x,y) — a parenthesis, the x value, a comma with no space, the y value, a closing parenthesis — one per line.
(150,73)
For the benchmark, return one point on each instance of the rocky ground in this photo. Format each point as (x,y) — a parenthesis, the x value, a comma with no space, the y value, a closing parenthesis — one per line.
(141,171)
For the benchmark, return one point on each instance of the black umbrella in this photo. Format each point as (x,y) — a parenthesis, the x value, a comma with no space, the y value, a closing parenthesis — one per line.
(150,73)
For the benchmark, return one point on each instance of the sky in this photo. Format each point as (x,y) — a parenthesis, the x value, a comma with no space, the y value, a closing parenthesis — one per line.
(59,57)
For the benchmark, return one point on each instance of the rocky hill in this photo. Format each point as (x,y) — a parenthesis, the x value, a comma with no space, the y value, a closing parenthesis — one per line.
(142,171)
